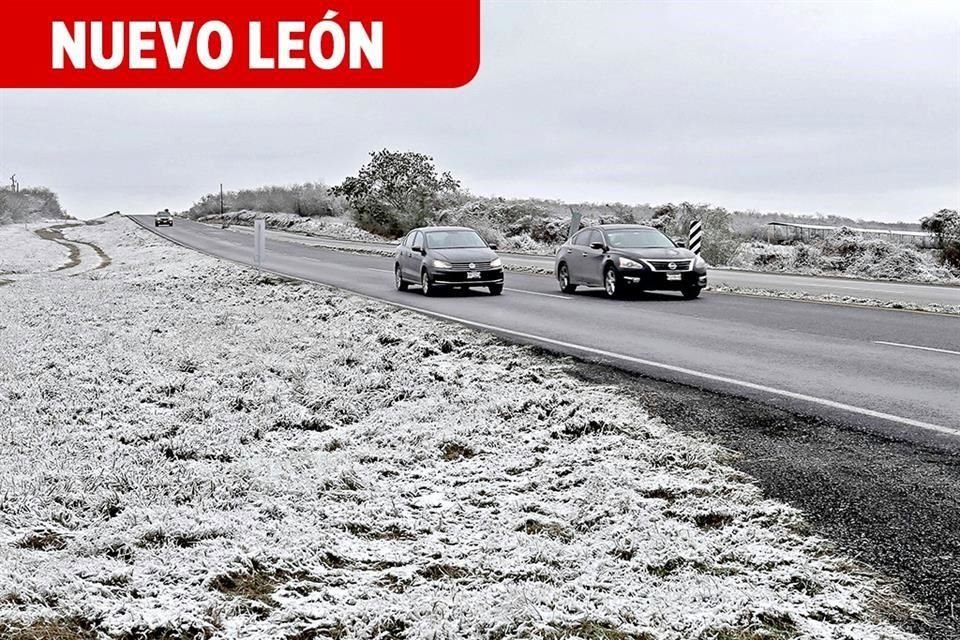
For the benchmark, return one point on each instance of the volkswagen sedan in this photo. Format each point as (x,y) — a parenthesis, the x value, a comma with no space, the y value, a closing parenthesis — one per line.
(436,258)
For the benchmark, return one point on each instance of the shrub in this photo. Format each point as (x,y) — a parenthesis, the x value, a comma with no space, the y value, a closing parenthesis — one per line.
(720,241)
(945,227)
(397,191)
(311,199)
(26,205)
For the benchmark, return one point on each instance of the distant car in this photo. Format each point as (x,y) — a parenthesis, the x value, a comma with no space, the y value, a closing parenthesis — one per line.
(163,218)
(619,257)
(436,258)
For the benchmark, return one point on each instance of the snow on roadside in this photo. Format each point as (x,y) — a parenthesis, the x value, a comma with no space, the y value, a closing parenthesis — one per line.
(191,449)
(334,227)
(846,254)
(951,309)
(23,251)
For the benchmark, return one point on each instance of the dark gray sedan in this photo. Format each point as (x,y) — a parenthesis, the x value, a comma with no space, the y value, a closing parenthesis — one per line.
(438,258)
(163,218)
(622,256)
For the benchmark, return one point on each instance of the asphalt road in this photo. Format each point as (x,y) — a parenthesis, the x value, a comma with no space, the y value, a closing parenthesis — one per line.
(893,373)
(877,290)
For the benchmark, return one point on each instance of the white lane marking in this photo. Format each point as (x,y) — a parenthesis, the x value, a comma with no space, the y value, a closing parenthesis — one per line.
(537,293)
(692,372)
(649,363)
(916,346)
(380,270)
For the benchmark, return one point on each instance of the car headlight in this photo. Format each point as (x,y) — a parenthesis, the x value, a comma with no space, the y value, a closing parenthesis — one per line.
(496,262)
(699,263)
(627,263)
(440,264)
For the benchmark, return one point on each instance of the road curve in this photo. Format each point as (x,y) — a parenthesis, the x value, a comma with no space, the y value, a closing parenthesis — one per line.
(892,372)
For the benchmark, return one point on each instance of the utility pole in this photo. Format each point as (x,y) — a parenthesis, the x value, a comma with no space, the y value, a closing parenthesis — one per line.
(221,201)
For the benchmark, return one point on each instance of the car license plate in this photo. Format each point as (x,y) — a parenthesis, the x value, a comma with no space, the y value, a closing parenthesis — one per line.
(673,276)
(473,275)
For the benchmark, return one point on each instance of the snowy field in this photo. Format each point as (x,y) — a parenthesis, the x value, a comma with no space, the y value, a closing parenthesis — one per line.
(23,251)
(189,449)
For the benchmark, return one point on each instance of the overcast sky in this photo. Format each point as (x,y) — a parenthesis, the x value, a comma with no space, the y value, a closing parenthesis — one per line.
(834,107)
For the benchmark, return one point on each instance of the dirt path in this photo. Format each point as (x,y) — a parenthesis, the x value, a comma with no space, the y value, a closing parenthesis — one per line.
(55,234)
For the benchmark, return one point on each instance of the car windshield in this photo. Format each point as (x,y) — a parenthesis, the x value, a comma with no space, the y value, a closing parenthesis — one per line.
(455,239)
(638,239)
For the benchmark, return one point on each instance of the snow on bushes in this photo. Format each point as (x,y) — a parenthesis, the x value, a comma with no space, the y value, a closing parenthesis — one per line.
(31,204)
(845,253)
(189,449)
(341,228)
(308,199)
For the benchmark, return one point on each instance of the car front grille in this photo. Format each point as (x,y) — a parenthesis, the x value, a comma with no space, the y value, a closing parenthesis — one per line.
(664,265)
(469,266)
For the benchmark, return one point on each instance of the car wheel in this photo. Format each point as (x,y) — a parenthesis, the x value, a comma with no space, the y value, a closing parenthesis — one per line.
(495,289)
(398,279)
(612,282)
(156,224)
(563,276)
(689,293)
(426,285)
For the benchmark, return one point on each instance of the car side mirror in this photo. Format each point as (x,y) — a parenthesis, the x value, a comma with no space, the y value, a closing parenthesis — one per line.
(418,249)
(680,242)
(492,246)
(599,246)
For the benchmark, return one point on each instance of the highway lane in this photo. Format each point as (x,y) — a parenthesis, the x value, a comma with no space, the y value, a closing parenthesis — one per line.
(859,365)
(873,289)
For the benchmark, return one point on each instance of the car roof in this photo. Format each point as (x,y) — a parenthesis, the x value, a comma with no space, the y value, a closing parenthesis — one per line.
(620,226)
(443,229)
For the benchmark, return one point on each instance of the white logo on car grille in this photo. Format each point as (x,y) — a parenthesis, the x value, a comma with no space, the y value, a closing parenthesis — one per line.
(672,266)
(472,265)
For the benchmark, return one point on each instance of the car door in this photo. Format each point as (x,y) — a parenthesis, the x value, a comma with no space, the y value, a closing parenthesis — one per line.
(414,257)
(591,260)
(572,256)
(403,253)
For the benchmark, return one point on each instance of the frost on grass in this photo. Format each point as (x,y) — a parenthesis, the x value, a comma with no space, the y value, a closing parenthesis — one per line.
(846,253)
(189,449)
(339,227)
(23,251)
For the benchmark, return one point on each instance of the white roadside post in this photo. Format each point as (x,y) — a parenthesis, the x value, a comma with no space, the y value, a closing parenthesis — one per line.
(695,239)
(574,222)
(259,240)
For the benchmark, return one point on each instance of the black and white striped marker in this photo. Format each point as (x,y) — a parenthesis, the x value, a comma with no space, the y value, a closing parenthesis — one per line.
(696,237)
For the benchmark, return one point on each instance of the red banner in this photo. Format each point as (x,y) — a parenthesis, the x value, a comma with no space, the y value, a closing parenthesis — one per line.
(224,44)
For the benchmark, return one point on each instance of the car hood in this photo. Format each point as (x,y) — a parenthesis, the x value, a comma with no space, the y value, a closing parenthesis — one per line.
(478,254)
(655,254)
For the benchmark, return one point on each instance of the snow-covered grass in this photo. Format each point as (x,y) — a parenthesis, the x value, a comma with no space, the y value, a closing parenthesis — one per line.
(189,449)
(23,251)
(849,255)
(341,228)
